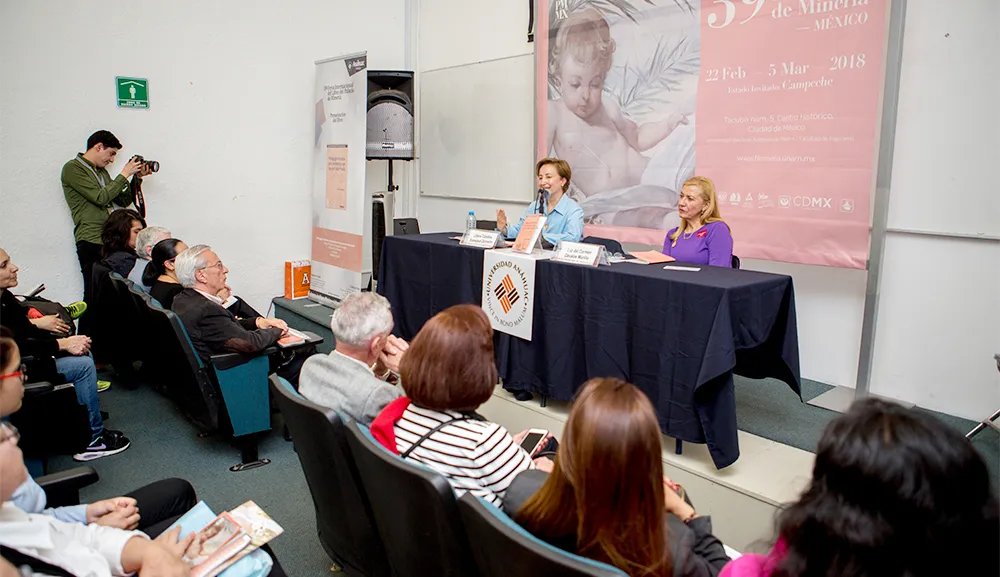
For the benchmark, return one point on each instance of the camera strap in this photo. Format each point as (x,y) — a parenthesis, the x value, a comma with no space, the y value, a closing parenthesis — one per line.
(100,179)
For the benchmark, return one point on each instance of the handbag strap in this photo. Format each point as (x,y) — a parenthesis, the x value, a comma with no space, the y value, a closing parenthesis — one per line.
(425,436)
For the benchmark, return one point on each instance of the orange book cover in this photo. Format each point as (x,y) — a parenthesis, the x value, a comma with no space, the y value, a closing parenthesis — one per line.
(297,275)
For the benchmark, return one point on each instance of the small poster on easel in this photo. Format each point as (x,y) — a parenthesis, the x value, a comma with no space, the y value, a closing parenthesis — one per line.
(531,231)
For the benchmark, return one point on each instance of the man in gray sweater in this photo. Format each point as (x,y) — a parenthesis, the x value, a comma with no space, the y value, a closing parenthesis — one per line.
(352,379)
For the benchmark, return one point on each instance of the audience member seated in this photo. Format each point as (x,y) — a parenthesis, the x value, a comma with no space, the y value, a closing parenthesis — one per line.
(352,378)
(161,277)
(78,549)
(161,274)
(895,493)
(144,243)
(150,509)
(118,240)
(72,361)
(213,328)
(447,372)
(606,497)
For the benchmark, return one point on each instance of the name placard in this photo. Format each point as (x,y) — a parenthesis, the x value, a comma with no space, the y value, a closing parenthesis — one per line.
(482,239)
(579,253)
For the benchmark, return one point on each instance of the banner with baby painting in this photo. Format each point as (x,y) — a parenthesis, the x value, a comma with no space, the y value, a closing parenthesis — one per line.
(776,101)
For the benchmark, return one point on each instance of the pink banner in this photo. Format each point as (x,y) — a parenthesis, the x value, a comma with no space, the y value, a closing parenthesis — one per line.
(777,101)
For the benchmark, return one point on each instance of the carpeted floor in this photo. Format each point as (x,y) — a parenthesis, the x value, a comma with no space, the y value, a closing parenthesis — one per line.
(164,445)
(768,408)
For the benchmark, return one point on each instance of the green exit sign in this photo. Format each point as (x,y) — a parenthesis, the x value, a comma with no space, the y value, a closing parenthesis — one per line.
(132,92)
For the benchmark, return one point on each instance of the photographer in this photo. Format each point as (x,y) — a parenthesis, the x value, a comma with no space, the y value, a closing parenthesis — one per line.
(90,193)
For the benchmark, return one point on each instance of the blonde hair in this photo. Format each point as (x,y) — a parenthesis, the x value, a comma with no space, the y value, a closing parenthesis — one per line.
(586,37)
(711,211)
(561,166)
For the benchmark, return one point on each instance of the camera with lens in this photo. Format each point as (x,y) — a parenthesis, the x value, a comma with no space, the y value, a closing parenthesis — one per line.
(150,165)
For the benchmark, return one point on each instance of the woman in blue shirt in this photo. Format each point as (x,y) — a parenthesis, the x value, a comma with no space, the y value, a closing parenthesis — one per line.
(703,237)
(564,216)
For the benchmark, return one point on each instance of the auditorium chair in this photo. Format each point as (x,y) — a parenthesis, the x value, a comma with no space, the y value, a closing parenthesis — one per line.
(113,339)
(227,395)
(611,246)
(402,226)
(344,519)
(415,511)
(504,548)
(51,421)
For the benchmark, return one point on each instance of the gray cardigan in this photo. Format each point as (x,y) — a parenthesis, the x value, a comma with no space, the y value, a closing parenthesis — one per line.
(345,385)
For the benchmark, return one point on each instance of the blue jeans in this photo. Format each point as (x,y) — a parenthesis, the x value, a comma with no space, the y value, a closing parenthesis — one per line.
(81,372)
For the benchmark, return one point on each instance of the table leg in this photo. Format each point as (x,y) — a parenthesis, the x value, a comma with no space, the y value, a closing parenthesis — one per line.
(678,446)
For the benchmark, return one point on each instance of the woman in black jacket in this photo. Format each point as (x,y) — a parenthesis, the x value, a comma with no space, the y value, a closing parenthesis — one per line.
(160,275)
(118,240)
(607,498)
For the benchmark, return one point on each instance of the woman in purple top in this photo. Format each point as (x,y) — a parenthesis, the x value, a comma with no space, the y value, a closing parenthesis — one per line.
(703,237)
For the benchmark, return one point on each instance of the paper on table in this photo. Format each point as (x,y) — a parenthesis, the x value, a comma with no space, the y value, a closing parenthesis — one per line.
(652,257)
(676,267)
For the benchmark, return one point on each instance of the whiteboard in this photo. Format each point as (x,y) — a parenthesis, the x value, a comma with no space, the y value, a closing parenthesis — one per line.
(947,141)
(477,134)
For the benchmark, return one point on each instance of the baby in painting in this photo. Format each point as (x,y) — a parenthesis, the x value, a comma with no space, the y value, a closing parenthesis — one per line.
(621,185)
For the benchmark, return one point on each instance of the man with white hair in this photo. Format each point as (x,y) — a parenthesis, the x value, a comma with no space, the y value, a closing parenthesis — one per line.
(214,329)
(352,379)
(144,243)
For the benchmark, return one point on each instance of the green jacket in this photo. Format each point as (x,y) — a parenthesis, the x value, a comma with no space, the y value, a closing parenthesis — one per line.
(88,200)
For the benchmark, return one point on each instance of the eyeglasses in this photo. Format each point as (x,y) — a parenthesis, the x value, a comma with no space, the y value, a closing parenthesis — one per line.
(217,265)
(23,373)
(8,432)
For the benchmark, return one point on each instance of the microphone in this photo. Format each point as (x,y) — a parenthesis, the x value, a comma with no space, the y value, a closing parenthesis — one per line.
(541,199)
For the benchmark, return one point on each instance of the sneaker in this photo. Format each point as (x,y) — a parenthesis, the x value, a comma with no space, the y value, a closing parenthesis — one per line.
(76,309)
(109,443)
(103,386)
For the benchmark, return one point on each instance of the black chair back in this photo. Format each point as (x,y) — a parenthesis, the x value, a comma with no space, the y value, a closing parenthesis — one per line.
(344,518)
(735,262)
(503,548)
(611,245)
(51,421)
(402,226)
(190,384)
(415,512)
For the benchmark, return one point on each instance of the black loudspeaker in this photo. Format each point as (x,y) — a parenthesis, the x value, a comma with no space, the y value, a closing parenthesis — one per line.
(390,115)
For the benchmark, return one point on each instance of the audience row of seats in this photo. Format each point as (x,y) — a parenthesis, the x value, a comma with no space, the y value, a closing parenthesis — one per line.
(227,396)
(378,515)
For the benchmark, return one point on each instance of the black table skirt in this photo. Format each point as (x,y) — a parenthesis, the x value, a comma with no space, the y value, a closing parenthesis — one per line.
(678,335)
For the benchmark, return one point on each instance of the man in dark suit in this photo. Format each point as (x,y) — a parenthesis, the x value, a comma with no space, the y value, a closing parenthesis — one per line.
(213,329)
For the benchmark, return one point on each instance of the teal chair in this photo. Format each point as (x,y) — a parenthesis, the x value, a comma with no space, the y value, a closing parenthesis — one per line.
(502,547)
(228,395)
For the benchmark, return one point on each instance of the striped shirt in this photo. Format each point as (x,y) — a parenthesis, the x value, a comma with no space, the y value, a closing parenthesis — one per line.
(476,456)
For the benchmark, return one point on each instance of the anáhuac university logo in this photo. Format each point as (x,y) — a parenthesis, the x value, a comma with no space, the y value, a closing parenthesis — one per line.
(508,300)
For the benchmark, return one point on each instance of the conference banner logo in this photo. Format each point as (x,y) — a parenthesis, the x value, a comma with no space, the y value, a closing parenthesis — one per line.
(508,292)
(777,102)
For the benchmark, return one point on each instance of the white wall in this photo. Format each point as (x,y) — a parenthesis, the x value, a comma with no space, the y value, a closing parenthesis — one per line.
(937,326)
(230,120)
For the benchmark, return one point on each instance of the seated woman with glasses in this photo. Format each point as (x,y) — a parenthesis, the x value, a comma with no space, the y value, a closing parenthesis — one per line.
(151,509)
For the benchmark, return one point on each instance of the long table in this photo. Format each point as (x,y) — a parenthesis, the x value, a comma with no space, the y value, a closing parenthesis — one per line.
(678,335)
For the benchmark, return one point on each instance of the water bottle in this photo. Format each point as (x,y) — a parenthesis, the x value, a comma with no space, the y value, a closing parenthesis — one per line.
(470,223)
